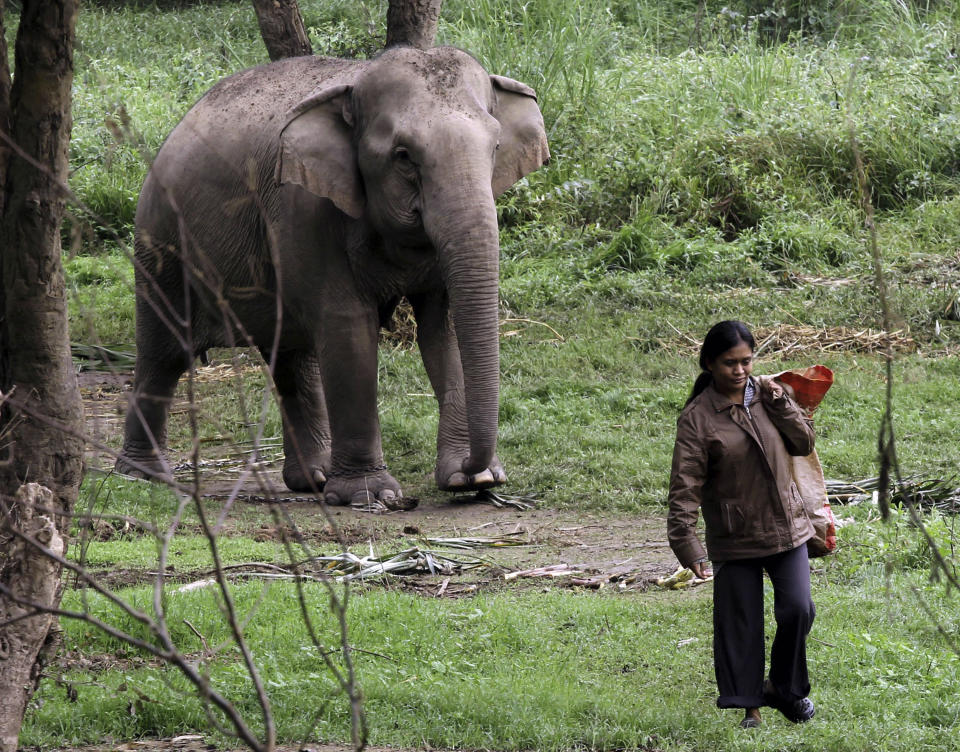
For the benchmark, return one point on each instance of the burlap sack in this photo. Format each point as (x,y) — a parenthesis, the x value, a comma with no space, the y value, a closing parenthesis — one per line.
(809,387)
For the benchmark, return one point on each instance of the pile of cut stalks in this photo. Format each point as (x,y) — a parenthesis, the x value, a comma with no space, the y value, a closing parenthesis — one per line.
(942,494)
(794,340)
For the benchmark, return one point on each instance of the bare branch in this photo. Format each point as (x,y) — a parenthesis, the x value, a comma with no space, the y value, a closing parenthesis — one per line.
(886,440)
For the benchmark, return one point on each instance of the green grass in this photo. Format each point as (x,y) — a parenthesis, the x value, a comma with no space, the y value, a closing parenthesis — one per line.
(187,553)
(730,162)
(524,670)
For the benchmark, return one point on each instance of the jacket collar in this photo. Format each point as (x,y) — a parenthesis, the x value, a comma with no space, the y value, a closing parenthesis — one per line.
(721,402)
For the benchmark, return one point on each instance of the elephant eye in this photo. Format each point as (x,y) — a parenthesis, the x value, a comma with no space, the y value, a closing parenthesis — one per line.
(404,162)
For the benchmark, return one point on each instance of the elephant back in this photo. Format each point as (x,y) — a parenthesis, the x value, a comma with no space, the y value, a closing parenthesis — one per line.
(197,196)
(237,122)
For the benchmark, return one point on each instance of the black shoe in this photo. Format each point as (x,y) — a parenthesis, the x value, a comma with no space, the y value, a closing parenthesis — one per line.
(795,711)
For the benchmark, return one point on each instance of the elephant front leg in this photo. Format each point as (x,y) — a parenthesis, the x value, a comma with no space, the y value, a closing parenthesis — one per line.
(348,364)
(441,358)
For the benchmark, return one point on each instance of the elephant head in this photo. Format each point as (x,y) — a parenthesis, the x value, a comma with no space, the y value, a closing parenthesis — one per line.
(418,145)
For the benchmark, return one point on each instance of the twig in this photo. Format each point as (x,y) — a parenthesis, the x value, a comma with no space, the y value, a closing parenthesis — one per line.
(538,323)
(687,337)
(203,640)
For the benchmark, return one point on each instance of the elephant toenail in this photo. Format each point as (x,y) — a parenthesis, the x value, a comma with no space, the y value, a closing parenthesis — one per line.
(333,500)
(457,480)
(483,479)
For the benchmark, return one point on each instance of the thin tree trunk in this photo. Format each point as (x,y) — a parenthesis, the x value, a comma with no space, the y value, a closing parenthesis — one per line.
(5,123)
(281,26)
(412,23)
(41,423)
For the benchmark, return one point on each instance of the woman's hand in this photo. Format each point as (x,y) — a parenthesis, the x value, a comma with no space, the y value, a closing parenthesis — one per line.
(701,569)
(771,388)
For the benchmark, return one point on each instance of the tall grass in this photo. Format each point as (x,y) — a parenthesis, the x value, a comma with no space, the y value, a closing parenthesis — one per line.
(148,65)
(665,154)
(557,48)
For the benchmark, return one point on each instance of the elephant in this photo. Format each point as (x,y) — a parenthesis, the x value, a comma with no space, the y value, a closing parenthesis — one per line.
(290,210)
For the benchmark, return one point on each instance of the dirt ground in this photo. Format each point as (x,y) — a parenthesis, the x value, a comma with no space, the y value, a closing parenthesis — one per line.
(581,549)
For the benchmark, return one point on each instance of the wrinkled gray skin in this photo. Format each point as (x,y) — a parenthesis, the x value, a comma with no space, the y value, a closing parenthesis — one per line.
(335,187)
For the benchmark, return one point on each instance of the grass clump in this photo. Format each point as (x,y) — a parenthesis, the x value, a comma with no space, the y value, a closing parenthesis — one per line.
(344,28)
(101,298)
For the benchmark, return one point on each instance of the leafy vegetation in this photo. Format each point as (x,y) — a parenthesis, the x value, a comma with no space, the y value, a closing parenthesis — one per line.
(729,159)
(702,169)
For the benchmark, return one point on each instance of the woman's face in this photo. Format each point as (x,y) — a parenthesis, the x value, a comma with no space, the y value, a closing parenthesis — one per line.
(731,368)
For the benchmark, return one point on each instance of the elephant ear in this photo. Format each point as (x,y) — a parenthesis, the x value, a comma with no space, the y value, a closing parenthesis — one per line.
(523,139)
(316,150)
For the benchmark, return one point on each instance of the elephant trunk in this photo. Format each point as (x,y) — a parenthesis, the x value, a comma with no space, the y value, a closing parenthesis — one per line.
(468,244)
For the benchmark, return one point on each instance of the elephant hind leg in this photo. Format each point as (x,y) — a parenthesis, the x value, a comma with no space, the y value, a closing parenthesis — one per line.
(145,431)
(306,428)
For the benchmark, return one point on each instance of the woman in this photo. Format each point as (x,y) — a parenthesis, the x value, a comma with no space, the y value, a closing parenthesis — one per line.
(731,458)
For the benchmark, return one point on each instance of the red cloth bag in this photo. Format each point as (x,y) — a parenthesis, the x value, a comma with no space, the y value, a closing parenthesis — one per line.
(809,385)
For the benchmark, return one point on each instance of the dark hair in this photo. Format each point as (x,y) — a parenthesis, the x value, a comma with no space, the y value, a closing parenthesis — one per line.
(721,337)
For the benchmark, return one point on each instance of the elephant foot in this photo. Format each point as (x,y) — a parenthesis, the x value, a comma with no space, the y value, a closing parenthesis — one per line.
(136,465)
(373,491)
(450,476)
(309,480)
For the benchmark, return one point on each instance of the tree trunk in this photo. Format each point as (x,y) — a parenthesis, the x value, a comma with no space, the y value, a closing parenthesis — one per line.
(412,23)
(31,577)
(281,26)
(41,421)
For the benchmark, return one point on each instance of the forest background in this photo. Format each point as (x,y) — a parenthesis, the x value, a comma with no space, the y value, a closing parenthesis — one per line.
(703,168)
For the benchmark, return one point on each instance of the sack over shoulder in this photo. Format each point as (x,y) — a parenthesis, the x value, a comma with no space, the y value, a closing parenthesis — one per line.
(808,475)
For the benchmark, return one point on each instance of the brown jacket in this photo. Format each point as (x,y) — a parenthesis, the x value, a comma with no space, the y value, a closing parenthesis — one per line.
(736,467)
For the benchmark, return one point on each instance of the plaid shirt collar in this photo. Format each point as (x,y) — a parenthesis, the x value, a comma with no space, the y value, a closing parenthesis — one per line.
(748,394)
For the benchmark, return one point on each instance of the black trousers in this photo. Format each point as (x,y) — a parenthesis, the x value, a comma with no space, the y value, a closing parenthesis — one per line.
(738,643)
